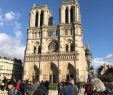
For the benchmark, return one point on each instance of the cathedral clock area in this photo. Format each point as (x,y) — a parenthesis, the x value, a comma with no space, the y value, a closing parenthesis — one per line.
(55,53)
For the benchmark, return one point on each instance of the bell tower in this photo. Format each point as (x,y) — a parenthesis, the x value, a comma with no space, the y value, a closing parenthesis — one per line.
(40,16)
(40,19)
(71,34)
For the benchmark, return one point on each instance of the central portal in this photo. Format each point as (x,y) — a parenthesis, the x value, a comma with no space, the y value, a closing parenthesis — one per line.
(54,73)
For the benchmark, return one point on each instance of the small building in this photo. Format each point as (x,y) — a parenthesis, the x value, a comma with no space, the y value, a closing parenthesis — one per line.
(11,68)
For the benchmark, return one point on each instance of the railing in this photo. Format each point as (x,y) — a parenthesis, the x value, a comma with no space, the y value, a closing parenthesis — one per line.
(51,56)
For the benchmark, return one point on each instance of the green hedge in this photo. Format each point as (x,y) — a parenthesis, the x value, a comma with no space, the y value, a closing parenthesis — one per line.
(53,86)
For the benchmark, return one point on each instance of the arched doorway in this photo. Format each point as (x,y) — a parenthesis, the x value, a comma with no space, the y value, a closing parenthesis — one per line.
(54,73)
(71,72)
(36,72)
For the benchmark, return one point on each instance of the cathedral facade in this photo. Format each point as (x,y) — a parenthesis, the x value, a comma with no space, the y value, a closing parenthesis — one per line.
(55,53)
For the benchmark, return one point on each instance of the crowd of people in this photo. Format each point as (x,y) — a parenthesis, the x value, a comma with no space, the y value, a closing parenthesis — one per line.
(92,87)
(24,87)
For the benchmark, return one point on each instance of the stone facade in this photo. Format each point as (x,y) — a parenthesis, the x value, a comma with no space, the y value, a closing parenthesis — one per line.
(55,53)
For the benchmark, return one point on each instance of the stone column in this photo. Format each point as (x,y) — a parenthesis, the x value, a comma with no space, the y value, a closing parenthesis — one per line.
(78,13)
(69,49)
(75,13)
(45,17)
(63,14)
(32,19)
(69,14)
(39,13)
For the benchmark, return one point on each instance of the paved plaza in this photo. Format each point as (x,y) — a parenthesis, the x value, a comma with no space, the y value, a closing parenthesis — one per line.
(51,92)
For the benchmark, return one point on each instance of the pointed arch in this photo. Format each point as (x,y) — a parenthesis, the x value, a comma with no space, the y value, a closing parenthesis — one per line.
(66,15)
(37,72)
(39,49)
(42,18)
(67,48)
(34,49)
(72,47)
(71,72)
(55,71)
(36,19)
(72,14)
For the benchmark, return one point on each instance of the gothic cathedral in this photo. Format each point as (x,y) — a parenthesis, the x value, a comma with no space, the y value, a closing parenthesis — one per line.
(55,53)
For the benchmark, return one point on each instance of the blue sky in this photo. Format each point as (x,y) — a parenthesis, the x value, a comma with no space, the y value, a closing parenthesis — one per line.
(97,20)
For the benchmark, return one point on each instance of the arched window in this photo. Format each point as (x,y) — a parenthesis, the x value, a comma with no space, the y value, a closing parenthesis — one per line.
(66,15)
(50,21)
(72,14)
(66,32)
(34,49)
(71,32)
(39,49)
(42,18)
(36,19)
(67,48)
(72,47)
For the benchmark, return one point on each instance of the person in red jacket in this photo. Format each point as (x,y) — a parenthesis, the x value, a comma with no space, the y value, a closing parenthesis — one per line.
(17,85)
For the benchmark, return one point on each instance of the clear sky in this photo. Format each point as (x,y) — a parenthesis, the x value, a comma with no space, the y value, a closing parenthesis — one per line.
(97,20)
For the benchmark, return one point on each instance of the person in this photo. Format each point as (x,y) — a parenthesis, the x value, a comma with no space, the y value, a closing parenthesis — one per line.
(88,89)
(22,87)
(18,85)
(79,85)
(47,85)
(34,87)
(4,82)
(26,87)
(71,89)
(12,90)
(0,84)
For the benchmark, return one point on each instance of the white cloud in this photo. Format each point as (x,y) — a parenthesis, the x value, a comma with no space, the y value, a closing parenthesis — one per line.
(10,46)
(9,16)
(5,17)
(17,30)
(105,60)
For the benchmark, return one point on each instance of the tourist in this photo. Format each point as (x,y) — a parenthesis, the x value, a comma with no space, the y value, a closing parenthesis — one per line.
(34,87)
(22,87)
(88,89)
(79,85)
(18,85)
(0,84)
(26,87)
(12,90)
(71,89)
(4,82)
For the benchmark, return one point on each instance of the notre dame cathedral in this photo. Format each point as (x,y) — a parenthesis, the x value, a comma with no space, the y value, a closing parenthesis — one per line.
(55,53)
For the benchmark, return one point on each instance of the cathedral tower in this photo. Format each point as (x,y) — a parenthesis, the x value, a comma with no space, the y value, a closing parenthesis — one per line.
(55,53)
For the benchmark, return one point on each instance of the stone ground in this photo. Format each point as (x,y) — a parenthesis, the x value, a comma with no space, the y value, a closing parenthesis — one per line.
(54,92)
(51,92)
